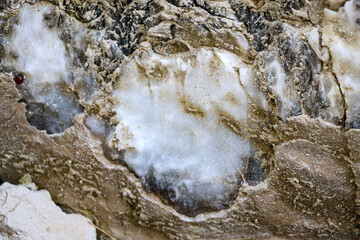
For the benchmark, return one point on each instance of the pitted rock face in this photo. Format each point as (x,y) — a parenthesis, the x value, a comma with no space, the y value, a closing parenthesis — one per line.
(187,117)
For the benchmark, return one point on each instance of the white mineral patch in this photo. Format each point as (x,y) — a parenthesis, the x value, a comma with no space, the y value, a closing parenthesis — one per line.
(330,93)
(32,215)
(96,125)
(40,53)
(185,117)
(35,50)
(276,77)
(291,90)
(283,90)
(352,13)
(314,41)
(345,52)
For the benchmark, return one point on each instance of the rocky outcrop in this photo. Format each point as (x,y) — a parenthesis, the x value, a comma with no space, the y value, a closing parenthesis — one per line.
(187,119)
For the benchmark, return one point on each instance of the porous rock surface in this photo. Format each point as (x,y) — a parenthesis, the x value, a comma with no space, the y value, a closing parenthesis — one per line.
(28,215)
(277,81)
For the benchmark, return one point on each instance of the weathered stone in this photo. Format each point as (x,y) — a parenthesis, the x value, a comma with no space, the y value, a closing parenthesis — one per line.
(187,119)
(27,214)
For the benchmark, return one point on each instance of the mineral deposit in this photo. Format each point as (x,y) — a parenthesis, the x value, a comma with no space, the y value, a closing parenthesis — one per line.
(187,119)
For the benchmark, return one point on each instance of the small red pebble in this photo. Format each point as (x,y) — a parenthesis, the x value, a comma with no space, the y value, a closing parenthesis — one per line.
(19,79)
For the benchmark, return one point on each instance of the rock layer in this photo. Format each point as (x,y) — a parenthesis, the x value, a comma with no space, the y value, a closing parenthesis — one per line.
(262,93)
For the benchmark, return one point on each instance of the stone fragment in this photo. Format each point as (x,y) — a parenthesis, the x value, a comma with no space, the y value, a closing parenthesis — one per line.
(30,215)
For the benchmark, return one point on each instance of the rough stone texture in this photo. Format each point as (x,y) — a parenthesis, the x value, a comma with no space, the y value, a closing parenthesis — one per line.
(305,133)
(27,214)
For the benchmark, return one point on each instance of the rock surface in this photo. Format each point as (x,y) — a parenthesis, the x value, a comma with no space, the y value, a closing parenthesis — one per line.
(30,215)
(187,119)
